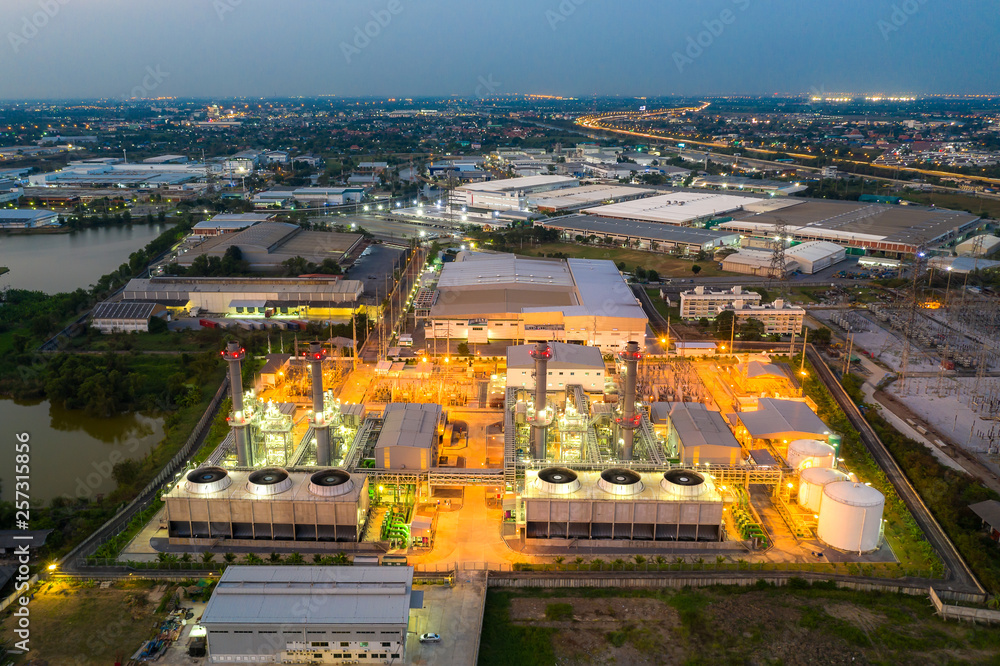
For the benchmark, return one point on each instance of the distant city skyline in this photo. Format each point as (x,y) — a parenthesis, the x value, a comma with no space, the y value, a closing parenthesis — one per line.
(59,49)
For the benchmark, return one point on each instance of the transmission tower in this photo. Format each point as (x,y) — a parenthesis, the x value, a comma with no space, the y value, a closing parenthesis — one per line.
(778,263)
(912,305)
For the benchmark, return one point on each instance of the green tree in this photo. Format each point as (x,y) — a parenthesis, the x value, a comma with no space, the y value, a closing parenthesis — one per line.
(695,268)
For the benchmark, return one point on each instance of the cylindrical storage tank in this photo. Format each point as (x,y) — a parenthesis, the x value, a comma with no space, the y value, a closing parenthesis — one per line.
(804,453)
(557,481)
(835,440)
(811,483)
(850,516)
(684,483)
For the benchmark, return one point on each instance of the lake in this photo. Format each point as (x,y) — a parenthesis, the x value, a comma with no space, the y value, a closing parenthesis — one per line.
(63,262)
(71,453)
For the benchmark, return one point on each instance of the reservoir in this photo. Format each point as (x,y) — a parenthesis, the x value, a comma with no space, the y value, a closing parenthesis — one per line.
(63,262)
(70,453)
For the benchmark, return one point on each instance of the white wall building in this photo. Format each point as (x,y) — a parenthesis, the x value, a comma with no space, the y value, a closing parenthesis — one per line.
(570,365)
(507,194)
(814,256)
(701,302)
(779,318)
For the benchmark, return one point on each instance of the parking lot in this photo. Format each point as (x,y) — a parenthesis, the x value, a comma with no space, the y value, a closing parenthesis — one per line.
(453,612)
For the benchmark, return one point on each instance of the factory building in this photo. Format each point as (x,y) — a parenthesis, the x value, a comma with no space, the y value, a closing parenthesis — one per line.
(813,256)
(328,196)
(894,230)
(268,504)
(25,218)
(114,173)
(642,235)
(779,318)
(698,435)
(678,208)
(570,365)
(483,298)
(702,302)
(266,245)
(310,615)
(507,194)
(575,198)
(562,507)
(125,316)
(228,223)
(410,436)
(302,297)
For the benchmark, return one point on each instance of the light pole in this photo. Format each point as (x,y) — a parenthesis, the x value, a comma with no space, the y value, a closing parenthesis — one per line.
(947,289)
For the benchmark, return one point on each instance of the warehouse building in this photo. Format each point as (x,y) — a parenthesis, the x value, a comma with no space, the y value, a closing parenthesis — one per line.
(699,436)
(575,198)
(113,173)
(269,504)
(750,261)
(266,245)
(570,365)
(484,298)
(228,223)
(813,256)
(643,235)
(868,227)
(125,316)
(410,436)
(984,245)
(27,218)
(506,194)
(782,420)
(310,615)
(704,302)
(678,208)
(328,196)
(314,297)
(779,318)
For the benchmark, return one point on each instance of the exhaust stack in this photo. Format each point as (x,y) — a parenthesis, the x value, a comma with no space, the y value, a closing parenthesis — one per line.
(320,425)
(629,419)
(234,355)
(541,418)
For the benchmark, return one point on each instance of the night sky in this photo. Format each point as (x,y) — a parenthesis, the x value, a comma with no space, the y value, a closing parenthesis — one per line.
(410,48)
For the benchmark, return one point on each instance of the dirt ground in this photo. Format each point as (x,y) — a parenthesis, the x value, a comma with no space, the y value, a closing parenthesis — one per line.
(648,627)
(745,626)
(82,624)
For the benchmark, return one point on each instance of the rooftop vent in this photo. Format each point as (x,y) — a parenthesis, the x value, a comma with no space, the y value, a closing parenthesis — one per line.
(557,481)
(619,481)
(205,480)
(269,481)
(330,483)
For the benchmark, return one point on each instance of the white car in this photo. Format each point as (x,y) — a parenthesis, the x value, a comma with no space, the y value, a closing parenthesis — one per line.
(430,638)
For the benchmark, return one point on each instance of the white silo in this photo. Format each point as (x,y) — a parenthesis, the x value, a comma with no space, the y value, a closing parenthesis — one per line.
(811,482)
(804,453)
(850,516)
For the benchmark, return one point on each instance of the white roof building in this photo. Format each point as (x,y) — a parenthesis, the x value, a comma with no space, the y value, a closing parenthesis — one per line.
(814,256)
(506,194)
(679,208)
(409,436)
(979,246)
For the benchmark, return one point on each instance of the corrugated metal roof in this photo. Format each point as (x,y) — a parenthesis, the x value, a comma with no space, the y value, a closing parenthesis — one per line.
(775,418)
(409,424)
(311,595)
(123,310)
(564,355)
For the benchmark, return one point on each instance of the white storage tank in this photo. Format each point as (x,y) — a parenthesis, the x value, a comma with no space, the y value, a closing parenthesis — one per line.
(850,516)
(805,453)
(811,483)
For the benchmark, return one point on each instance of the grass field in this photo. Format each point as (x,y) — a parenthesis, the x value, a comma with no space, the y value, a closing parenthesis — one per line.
(798,624)
(82,624)
(664,264)
(955,201)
